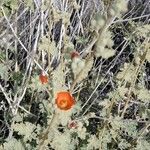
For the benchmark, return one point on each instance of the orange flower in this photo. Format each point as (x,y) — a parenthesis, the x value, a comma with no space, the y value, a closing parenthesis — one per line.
(64,100)
(43,78)
(74,54)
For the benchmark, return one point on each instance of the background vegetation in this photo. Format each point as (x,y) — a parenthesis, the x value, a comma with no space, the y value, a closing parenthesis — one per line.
(109,77)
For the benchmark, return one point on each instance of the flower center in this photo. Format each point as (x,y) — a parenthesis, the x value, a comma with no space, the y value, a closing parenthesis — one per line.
(63,103)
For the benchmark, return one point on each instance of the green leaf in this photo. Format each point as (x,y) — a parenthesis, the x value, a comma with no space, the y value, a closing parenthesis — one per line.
(3,71)
(13,144)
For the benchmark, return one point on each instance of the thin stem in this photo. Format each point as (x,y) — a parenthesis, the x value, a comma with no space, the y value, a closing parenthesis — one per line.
(44,137)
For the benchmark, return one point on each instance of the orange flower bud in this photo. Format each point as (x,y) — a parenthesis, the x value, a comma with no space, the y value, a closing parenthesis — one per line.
(73,124)
(64,100)
(43,78)
(74,54)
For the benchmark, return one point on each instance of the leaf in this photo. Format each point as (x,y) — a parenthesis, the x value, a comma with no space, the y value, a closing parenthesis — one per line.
(105,53)
(81,40)
(13,144)
(93,143)
(122,90)
(106,139)
(25,129)
(62,141)
(59,79)
(2,55)
(64,116)
(104,46)
(88,67)
(82,133)
(3,71)
(142,30)
(142,145)
(81,68)
(144,95)
(18,118)
(128,126)
(29,3)
(124,144)
(48,46)
(127,73)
